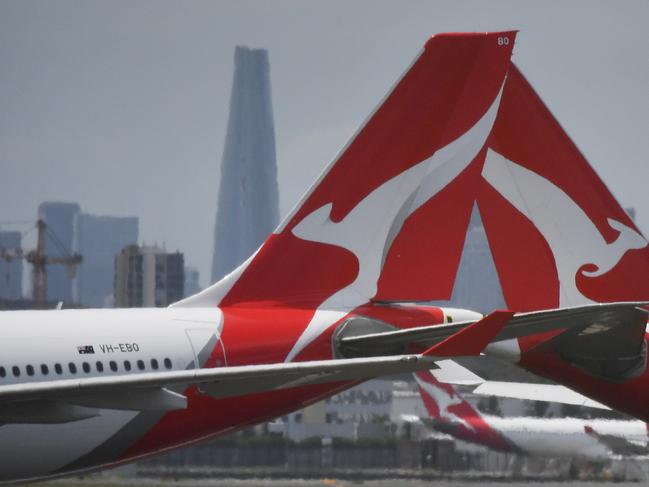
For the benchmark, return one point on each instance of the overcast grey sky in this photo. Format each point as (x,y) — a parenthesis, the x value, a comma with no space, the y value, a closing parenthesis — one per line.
(122,105)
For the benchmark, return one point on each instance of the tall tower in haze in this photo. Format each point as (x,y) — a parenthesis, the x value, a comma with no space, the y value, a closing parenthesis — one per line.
(248,206)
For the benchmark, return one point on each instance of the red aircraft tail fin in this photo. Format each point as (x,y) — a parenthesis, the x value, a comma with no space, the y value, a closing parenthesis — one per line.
(557,235)
(559,238)
(370,226)
(450,413)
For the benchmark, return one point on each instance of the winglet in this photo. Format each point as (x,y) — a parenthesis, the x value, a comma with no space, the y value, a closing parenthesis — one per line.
(473,339)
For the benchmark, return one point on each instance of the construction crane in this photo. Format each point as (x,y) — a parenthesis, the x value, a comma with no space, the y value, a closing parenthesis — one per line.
(40,261)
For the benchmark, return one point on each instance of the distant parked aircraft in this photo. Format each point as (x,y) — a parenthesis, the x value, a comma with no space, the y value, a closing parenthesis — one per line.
(592,439)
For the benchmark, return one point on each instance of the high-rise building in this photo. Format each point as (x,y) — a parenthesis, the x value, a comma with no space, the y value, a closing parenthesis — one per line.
(248,205)
(99,239)
(60,219)
(477,285)
(11,270)
(148,277)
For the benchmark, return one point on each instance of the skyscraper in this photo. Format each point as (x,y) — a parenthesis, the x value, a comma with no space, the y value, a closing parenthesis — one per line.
(11,271)
(60,219)
(148,277)
(248,204)
(99,239)
(477,285)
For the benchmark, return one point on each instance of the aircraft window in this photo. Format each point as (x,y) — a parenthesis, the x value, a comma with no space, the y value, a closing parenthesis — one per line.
(3,372)
(45,369)
(30,370)
(113,365)
(16,371)
(167,363)
(140,364)
(100,366)
(72,367)
(154,364)
(86,367)
(58,369)
(127,365)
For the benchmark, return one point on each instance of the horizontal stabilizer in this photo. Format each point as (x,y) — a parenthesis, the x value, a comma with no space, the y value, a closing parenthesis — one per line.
(588,320)
(618,444)
(472,339)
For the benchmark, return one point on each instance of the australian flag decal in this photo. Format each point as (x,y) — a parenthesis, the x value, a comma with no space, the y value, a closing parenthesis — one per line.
(85,349)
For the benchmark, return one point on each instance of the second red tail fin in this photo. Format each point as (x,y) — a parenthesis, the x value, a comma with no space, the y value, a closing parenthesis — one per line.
(450,413)
(557,235)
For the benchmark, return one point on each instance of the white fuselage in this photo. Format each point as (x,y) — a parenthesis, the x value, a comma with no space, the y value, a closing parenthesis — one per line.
(68,344)
(566,436)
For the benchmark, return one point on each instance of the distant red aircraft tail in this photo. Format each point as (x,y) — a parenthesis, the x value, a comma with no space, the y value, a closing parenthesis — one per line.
(450,413)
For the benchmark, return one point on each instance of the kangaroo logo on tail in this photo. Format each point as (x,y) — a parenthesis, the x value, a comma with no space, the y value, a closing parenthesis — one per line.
(369,229)
(444,396)
(571,235)
(454,415)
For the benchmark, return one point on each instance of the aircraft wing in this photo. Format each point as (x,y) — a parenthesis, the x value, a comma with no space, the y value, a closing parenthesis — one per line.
(585,320)
(69,399)
(618,444)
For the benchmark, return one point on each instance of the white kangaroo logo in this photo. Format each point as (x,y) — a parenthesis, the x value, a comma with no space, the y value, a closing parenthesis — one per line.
(369,229)
(444,400)
(572,236)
